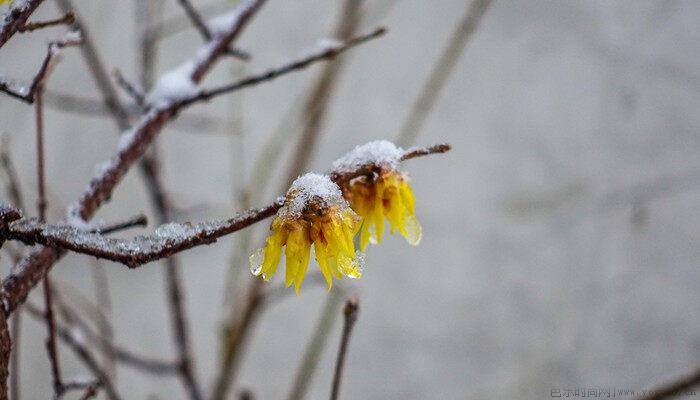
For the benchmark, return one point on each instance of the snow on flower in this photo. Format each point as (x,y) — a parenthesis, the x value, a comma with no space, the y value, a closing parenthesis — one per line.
(314,213)
(384,192)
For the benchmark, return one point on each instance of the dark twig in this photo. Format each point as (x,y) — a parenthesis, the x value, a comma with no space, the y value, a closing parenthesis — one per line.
(75,343)
(324,53)
(675,388)
(41,206)
(97,69)
(204,31)
(350,314)
(16,18)
(29,95)
(130,89)
(441,72)
(13,186)
(138,220)
(67,19)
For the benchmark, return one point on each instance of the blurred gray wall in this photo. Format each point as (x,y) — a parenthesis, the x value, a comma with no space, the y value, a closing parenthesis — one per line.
(560,244)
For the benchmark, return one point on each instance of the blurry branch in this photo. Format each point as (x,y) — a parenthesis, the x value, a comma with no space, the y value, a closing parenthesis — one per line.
(128,358)
(28,95)
(441,72)
(16,18)
(129,88)
(76,343)
(675,388)
(317,343)
(204,124)
(324,53)
(350,313)
(67,19)
(175,25)
(204,31)
(13,185)
(31,269)
(97,69)
(317,102)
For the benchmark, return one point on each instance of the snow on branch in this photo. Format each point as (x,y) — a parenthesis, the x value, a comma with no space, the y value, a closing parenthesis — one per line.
(170,238)
(16,18)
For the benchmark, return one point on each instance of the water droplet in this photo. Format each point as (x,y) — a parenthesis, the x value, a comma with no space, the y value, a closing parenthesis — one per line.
(256,261)
(358,265)
(414,232)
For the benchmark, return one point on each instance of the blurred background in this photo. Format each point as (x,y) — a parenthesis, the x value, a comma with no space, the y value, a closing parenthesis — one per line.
(560,235)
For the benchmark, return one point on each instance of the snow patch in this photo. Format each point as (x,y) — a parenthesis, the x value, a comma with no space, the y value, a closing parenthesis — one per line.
(382,153)
(173,86)
(310,187)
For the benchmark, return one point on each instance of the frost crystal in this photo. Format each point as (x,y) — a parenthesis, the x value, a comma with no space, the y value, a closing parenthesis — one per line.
(379,152)
(176,231)
(311,187)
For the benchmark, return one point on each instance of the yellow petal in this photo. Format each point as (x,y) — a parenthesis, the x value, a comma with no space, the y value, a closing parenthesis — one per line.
(322,260)
(297,242)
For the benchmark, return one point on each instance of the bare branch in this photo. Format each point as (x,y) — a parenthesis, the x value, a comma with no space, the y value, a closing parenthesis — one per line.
(16,18)
(169,239)
(350,313)
(67,19)
(323,53)
(204,31)
(82,352)
(130,89)
(138,220)
(28,94)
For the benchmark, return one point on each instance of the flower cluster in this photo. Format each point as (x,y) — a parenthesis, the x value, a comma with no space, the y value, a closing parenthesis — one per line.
(327,212)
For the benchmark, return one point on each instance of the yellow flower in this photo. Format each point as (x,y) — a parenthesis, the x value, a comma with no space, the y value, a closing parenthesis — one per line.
(314,213)
(5,1)
(382,191)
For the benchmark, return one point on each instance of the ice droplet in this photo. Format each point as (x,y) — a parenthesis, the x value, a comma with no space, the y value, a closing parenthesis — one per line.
(358,265)
(414,231)
(256,261)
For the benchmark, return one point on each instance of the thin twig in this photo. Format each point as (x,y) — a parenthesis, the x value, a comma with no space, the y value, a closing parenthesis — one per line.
(675,388)
(67,19)
(29,95)
(97,69)
(441,72)
(130,89)
(75,343)
(138,220)
(324,53)
(41,206)
(204,31)
(16,18)
(350,313)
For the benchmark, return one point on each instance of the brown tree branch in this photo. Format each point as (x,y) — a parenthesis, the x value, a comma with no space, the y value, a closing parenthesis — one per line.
(16,18)
(67,19)
(28,95)
(350,313)
(76,344)
(168,240)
